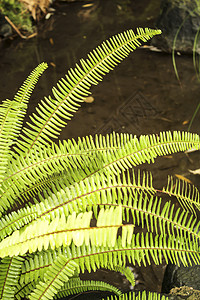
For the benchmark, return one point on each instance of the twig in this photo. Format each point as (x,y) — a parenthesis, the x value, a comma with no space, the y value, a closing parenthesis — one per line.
(17,30)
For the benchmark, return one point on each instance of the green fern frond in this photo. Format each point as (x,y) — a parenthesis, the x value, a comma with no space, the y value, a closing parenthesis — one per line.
(147,148)
(12,115)
(76,228)
(138,296)
(52,113)
(23,174)
(25,91)
(59,273)
(76,286)
(10,269)
(56,159)
(126,271)
(23,291)
(142,249)
(186,193)
(88,144)
(10,112)
(36,265)
(96,189)
(139,249)
(135,196)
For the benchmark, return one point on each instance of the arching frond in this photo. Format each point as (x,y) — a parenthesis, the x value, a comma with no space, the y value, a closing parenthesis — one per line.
(50,160)
(23,291)
(69,155)
(138,296)
(126,271)
(36,264)
(99,189)
(12,115)
(88,146)
(24,92)
(59,273)
(76,286)
(142,249)
(10,111)
(52,113)
(146,148)
(10,269)
(186,193)
(76,228)
(135,196)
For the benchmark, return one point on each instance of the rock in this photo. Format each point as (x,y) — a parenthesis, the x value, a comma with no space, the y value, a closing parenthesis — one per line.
(89,99)
(5,28)
(173,14)
(184,292)
(181,276)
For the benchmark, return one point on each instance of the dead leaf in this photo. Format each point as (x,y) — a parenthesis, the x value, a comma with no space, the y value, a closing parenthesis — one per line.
(88,5)
(35,6)
(185,122)
(52,64)
(196,172)
(152,48)
(181,177)
(191,150)
(51,41)
(89,99)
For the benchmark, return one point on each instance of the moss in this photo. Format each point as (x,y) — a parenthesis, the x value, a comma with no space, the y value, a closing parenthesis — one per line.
(18,14)
(184,292)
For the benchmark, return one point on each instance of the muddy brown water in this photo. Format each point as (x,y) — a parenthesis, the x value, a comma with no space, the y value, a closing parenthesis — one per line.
(141,96)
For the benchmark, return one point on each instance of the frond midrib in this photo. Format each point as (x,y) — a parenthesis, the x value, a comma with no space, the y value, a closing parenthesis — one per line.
(128,248)
(180,226)
(69,230)
(4,284)
(146,153)
(74,88)
(130,39)
(143,150)
(34,213)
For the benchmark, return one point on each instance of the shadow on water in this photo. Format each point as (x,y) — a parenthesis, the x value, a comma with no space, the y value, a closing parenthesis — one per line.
(141,96)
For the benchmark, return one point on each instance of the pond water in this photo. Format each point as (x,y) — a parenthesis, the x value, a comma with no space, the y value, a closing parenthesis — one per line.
(141,96)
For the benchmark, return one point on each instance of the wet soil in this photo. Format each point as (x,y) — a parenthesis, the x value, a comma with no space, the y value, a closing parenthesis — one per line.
(141,96)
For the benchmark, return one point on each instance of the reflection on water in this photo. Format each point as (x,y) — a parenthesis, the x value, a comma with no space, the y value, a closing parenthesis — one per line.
(73,31)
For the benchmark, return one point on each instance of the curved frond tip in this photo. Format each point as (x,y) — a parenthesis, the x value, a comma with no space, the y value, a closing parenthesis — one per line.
(54,113)
(138,296)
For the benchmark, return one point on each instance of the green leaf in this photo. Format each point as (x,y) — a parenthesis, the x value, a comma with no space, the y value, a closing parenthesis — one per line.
(72,90)
(10,269)
(138,296)
(76,286)
(59,273)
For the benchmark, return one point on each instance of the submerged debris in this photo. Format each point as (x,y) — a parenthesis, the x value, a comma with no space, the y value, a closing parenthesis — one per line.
(37,7)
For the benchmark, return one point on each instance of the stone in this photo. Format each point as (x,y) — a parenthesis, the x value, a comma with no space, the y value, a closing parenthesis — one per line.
(175,15)
(5,28)
(184,293)
(176,276)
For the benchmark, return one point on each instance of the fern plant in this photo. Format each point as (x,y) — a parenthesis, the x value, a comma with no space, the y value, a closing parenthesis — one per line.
(71,206)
